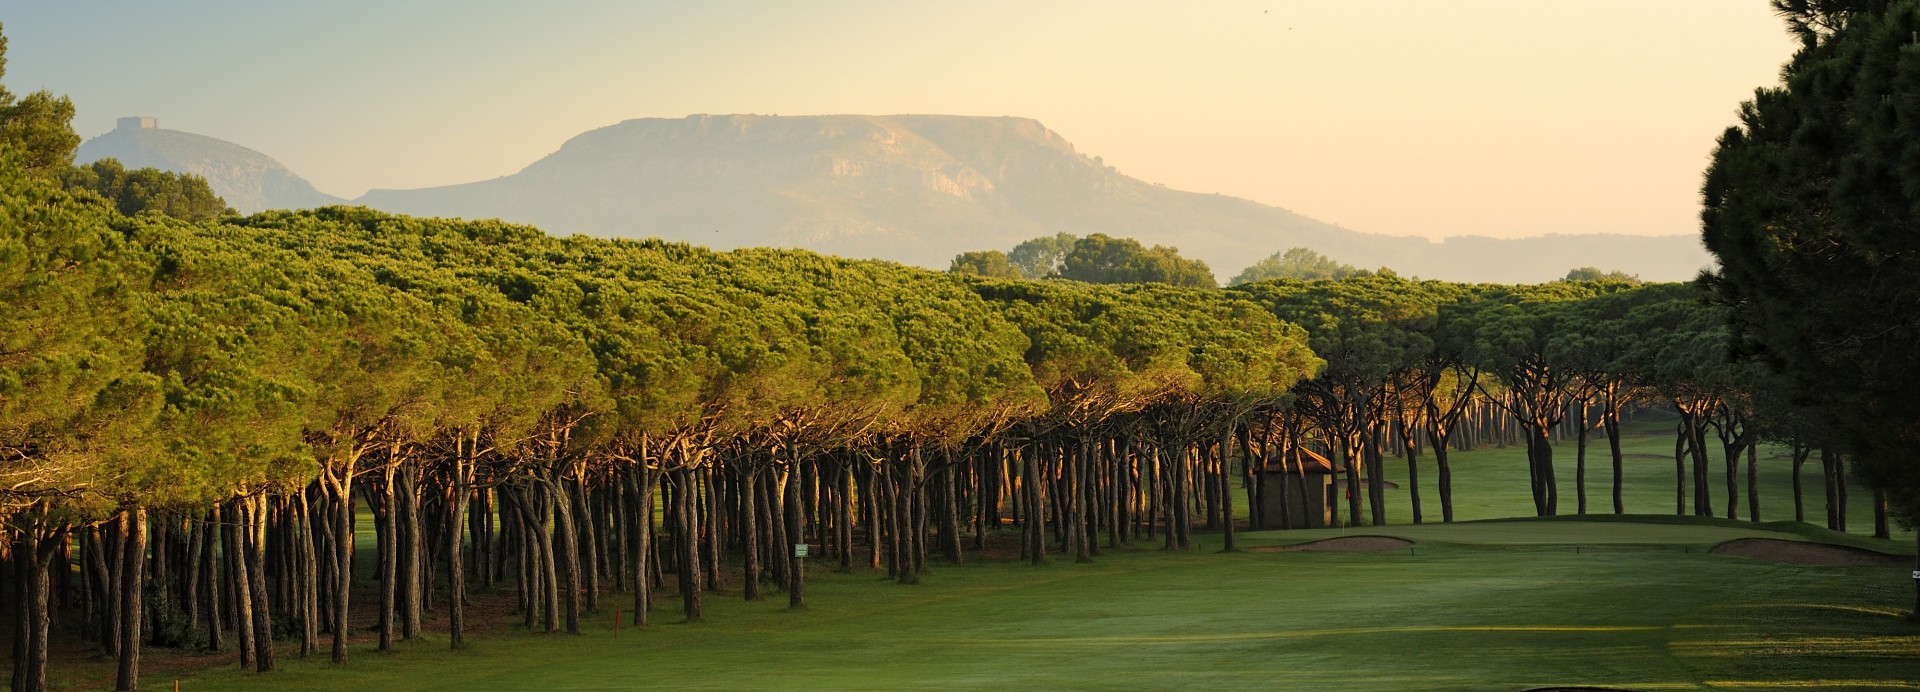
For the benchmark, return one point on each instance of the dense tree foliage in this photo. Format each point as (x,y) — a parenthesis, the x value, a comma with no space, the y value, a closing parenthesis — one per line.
(988,263)
(179,195)
(1103,259)
(1039,258)
(1295,263)
(37,127)
(1596,274)
(1812,205)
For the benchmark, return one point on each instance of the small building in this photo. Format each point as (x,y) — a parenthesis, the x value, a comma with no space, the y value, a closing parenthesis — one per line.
(138,122)
(1302,493)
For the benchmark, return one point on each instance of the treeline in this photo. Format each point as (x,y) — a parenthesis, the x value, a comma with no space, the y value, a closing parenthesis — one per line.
(194,413)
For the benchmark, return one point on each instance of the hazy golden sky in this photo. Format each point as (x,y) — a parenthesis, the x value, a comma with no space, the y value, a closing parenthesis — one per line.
(1498,117)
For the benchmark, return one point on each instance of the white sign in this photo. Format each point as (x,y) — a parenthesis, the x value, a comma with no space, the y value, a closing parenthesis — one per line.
(1916,574)
(800,550)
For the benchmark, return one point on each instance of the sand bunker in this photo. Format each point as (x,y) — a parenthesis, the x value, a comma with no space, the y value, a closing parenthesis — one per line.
(1803,553)
(1344,544)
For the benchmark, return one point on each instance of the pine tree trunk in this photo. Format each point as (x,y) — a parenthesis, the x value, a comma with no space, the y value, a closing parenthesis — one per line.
(1702,498)
(309,548)
(641,482)
(1880,527)
(1036,516)
(1413,472)
(750,533)
(568,542)
(411,547)
(111,540)
(796,530)
(342,545)
(1680,441)
(687,541)
(1799,499)
(385,530)
(1376,474)
(589,542)
(1840,491)
(34,552)
(949,511)
(713,517)
(132,578)
(1827,461)
(1611,419)
(210,580)
(459,496)
(1226,495)
(233,541)
(1580,460)
(843,488)
(256,553)
(546,562)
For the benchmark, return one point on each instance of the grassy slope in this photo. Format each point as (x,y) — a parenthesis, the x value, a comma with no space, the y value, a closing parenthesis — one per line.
(1476,605)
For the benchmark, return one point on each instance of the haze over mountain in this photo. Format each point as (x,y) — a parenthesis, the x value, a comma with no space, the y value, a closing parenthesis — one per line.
(922,188)
(248,180)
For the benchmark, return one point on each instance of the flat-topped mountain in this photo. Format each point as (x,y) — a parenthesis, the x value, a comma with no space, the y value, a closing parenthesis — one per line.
(248,180)
(922,188)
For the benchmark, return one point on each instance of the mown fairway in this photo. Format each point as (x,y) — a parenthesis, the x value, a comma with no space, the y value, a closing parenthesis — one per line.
(1484,605)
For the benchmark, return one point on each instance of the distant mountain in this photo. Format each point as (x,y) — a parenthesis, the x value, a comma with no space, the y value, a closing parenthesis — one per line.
(248,180)
(922,188)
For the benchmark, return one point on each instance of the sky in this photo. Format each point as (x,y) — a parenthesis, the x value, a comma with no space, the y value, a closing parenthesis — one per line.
(1502,118)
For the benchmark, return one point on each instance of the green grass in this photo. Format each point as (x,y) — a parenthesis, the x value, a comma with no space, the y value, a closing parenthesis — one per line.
(1492,602)
(1491,482)
(1484,605)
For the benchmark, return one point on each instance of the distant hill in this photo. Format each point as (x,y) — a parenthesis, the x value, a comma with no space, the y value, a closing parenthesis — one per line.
(922,188)
(248,180)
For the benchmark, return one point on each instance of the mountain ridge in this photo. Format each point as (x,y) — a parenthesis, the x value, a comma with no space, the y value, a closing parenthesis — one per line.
(923,188)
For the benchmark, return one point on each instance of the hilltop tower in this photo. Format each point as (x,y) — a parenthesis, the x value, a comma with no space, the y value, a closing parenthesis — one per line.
(138,122)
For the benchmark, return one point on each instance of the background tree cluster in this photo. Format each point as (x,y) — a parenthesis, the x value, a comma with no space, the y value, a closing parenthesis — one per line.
(1097,259)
